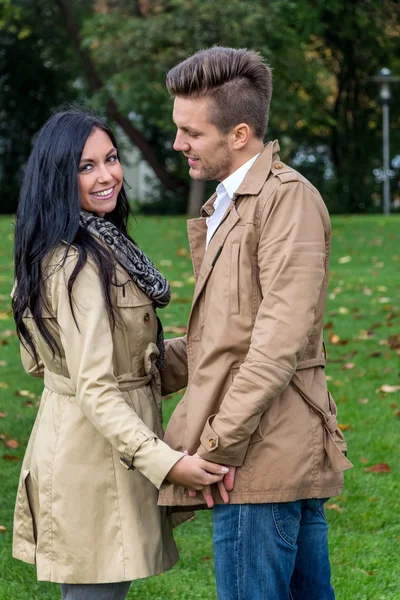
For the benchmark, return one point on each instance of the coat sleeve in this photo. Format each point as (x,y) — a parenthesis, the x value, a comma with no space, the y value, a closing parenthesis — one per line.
(292,267)
(175,375)
(88,347)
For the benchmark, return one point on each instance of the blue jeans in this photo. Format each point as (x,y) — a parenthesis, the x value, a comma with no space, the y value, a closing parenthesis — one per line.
(275,551)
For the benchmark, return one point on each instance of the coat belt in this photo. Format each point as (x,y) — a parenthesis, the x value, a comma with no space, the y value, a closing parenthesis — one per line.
(62,385)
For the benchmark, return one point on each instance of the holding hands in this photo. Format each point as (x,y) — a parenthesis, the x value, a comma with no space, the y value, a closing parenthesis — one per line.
(197,474)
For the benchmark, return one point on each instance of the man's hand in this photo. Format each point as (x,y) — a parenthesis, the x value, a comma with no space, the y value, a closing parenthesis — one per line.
(224,486)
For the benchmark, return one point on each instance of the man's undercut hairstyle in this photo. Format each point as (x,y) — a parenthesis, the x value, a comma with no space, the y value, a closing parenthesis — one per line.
(238,81)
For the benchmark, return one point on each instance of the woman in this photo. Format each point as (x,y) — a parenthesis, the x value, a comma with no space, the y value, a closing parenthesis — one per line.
(86,511)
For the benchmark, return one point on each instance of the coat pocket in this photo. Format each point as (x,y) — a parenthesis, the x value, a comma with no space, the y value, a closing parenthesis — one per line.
(25,534)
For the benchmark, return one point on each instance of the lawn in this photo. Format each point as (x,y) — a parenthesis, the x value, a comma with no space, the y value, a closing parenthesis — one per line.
(362,331)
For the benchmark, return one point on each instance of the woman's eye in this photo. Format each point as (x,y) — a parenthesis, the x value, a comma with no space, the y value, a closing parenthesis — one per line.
(85,168)
(113,158)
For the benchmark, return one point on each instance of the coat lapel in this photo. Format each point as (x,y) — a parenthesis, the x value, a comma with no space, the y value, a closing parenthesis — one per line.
(204,261)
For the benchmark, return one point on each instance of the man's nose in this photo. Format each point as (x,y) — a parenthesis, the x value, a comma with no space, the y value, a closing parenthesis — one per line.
(181,145)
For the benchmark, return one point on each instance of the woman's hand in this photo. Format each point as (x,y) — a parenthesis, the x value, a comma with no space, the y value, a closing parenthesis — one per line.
(195,473)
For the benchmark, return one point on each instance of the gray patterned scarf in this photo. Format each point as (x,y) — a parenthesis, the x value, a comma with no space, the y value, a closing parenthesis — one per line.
(139,266)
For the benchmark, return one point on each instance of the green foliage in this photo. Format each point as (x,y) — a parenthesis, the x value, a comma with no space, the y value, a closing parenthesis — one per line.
(324,108)
(35,78)
(363,312)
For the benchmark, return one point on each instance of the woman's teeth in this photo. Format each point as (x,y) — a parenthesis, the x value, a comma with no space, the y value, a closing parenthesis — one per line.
(103,193)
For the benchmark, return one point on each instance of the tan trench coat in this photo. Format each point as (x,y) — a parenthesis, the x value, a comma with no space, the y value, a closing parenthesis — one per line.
(80,514)
(253,358)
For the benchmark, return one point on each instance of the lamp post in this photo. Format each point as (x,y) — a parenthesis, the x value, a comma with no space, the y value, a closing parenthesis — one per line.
(384,78)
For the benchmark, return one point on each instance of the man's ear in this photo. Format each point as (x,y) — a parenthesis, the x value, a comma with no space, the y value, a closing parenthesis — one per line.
(241,135)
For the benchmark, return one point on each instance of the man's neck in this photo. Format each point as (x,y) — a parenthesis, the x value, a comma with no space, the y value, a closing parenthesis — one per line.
(256,147)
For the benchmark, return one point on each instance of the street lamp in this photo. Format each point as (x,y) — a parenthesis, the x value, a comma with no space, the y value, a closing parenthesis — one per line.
(384,78)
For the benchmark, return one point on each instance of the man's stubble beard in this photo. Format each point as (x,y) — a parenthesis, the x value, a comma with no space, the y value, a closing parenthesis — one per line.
(219,171)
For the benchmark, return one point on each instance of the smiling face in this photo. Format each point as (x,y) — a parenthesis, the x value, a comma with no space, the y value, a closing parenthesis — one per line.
(208,150)
(100,174)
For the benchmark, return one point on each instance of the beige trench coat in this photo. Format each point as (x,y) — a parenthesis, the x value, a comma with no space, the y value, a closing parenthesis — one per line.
(86,510)
(253,358)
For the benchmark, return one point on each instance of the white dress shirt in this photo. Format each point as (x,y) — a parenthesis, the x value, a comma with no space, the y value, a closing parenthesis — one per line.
(225,192)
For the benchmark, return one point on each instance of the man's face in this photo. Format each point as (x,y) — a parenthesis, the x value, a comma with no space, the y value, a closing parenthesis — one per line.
(208,150)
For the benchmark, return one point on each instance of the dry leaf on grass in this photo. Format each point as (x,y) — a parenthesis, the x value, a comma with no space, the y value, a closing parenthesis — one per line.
(10,457)
(388,389)
(379,468)
(11,444)
(343,427)
(333,507)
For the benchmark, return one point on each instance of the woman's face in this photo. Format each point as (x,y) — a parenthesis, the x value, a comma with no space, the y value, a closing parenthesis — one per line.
(100,174)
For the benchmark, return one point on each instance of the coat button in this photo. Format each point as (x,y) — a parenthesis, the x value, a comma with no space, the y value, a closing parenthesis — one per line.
(146,318)
(278,166)
(212,443)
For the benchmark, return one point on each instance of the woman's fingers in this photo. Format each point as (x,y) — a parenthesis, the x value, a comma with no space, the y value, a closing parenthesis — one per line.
(213,467)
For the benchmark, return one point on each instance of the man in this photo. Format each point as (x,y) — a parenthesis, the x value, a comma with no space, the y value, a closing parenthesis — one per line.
(253,358)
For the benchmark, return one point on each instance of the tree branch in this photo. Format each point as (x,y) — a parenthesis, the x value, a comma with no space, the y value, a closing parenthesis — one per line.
(95,84)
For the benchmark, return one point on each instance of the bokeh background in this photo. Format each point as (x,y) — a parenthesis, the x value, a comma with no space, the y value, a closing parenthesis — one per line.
(112,56)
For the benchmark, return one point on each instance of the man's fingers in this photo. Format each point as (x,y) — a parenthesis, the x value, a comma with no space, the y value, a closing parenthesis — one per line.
(229,479)
(223,493)
(208,496)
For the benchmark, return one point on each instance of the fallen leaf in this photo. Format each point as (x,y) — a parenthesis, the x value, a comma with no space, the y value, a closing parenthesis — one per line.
(344,259)
(328,325)
(185,252)
(343,310)
(10,457)
(3,415)
(24,393)
(11,444)
(379,468)
(3,363)
(177,284)
(333,507)
(364,460)
(2,529)
(343,427)
(4,385)
(348,366)
(388,389)
(334,338)
(363,400)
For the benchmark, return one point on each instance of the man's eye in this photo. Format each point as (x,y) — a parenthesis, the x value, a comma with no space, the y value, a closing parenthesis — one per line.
(193,135)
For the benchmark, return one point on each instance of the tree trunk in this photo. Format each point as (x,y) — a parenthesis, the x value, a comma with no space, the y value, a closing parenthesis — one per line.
(196,197)
(95,84)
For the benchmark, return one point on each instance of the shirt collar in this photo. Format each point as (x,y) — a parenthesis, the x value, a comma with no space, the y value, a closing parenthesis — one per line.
(231,183)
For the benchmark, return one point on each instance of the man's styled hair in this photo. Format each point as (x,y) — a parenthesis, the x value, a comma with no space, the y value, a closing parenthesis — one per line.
(238,81)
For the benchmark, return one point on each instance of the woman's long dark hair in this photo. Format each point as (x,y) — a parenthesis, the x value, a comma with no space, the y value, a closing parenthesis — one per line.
(48,214)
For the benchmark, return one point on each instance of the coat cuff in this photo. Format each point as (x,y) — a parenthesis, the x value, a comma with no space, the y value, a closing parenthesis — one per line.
(213,450)
(152,457)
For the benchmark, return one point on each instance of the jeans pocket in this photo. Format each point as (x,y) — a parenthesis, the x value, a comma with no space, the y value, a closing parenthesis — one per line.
(287,517)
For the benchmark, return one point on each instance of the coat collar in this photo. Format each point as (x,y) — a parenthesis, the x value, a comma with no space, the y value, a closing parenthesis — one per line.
(255,177)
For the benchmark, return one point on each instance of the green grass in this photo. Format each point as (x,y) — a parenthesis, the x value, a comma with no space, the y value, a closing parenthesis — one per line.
(364,521)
